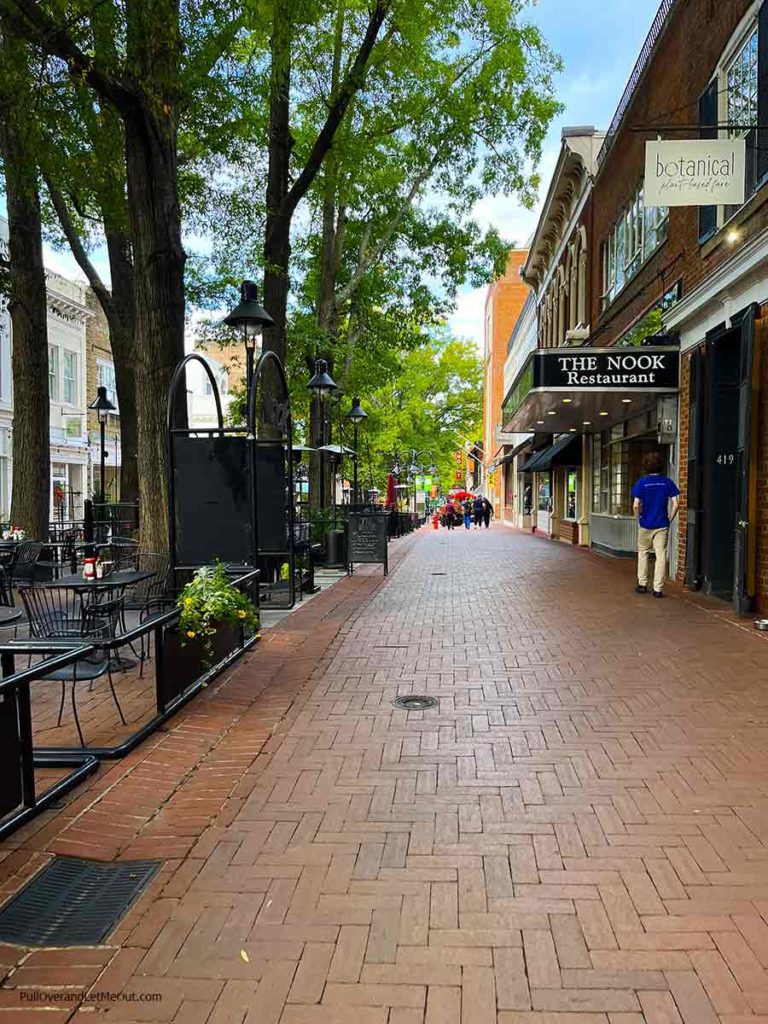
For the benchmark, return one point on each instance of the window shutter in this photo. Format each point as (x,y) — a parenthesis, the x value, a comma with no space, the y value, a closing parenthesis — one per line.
(708,130)
(761,143)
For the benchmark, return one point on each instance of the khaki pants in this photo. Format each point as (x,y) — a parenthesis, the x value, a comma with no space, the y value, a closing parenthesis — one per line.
(647,541)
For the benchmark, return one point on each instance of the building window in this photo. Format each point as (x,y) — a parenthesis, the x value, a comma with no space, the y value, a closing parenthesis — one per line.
(741,86)
(105,378)
(53,373)
(69,378)
(544,493)
(638,232)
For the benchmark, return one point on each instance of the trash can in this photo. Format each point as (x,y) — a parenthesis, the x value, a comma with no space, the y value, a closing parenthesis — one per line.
(335,548)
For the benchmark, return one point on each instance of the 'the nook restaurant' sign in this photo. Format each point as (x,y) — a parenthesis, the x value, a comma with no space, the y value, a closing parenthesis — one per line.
(644,369)
(694,172)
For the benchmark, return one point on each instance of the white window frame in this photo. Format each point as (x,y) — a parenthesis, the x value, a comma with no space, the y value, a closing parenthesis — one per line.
(105,364)
(54,373)
(69,354)
(741,37)
(636,234)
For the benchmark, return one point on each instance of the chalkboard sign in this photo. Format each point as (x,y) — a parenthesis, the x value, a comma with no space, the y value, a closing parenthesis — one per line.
(368,539)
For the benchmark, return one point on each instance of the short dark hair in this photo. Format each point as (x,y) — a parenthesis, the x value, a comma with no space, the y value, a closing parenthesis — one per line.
(653,462)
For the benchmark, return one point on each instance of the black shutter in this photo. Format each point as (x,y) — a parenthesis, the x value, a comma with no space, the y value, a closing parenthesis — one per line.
(761,143)
(708,130)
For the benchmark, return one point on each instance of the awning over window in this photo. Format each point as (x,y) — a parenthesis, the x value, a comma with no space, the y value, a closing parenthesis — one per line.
(589,388)
(566,451)
(506,459)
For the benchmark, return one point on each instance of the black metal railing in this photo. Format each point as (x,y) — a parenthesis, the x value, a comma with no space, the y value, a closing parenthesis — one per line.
(657,26)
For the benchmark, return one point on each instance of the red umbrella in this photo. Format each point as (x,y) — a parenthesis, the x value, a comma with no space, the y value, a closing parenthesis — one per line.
(391,499)
(461,495)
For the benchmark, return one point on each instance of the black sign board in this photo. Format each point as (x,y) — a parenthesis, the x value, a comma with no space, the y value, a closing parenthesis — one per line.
(368,539)
(271,498)
(213,509)
(615,369)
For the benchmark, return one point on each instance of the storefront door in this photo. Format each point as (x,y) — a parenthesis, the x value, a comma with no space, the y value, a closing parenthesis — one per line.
(720,554)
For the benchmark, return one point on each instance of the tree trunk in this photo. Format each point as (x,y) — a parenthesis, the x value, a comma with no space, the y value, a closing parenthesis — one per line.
(123,345)
(159,296)
(30,503)
(277,235)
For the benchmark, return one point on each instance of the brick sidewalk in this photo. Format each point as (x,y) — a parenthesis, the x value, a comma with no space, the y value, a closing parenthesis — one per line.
(577,835)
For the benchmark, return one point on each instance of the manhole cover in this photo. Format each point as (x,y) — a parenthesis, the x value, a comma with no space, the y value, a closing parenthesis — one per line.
(415,703)
(73,902)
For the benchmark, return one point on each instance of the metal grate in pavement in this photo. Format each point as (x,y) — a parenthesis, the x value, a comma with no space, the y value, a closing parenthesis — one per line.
(73,902)
(415,703)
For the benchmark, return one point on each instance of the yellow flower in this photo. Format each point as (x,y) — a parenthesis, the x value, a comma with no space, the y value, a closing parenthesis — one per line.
(241,614)
(188,602)
(190,634)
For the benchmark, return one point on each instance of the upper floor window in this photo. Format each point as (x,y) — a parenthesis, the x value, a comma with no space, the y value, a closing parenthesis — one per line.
(53,373)
(105,377)
(637,233)
(741,86)
(734,105)
(69,379)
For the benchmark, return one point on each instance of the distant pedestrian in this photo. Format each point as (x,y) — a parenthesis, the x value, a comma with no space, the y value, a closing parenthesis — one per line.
(478,509)
(655,504)
(467,514)
(487,512)
(449,511)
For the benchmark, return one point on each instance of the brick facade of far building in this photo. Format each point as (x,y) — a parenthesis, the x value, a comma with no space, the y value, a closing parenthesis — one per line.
(699,274)
(504,300)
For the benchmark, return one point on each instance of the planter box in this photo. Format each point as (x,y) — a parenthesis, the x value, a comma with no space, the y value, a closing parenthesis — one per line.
(569,531)
(184,660)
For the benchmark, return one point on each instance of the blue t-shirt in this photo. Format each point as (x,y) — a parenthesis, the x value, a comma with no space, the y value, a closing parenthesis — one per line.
(654,492)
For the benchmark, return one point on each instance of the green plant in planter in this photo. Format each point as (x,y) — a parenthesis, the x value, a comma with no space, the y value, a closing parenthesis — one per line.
(210,601)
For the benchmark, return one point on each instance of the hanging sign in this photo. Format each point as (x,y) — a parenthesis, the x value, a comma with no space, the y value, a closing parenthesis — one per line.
(427,481)
(694,172)
(459,458)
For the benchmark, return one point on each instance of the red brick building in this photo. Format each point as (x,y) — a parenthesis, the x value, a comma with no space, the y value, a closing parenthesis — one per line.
(693,276)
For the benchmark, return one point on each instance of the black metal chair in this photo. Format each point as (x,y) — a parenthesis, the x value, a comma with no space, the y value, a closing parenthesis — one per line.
(149,597)
(25,559)
(55,613)
(122,552)
(10,615)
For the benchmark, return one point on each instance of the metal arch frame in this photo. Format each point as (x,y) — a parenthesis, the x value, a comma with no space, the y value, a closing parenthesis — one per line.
(252,438)
(173,388)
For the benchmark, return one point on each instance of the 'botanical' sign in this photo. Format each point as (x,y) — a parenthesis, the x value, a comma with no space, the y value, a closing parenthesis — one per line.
(694,172)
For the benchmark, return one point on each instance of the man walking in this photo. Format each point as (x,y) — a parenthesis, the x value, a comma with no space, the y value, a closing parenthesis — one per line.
(477,508)
(487,512)
(449,514)
(655,504)
(467,514)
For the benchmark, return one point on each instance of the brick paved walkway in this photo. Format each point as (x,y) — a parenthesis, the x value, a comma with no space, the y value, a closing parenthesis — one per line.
(577,835)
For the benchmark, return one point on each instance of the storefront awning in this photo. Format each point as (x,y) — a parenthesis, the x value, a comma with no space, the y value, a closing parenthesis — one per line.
(587,389)
(506,459)
(566,451)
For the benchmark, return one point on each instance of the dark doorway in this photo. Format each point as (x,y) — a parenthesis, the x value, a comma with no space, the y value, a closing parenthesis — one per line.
(721,423)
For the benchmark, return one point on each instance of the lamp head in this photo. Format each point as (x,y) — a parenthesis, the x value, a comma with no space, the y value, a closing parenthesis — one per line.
(249,315)
(357,414)
(101,404)
(322,383)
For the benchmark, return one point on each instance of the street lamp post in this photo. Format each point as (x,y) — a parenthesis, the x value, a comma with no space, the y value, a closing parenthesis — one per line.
(251,317)
(357,414)
(102,405)
(323,385)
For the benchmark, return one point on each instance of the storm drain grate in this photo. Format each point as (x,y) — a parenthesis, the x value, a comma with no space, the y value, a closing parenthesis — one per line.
(437,574)
(73,902)
(415,703)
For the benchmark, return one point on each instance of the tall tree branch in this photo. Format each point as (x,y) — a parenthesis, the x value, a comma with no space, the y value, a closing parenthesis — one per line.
(352,82)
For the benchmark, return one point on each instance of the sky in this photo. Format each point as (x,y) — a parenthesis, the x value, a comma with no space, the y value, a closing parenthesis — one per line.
(599,41)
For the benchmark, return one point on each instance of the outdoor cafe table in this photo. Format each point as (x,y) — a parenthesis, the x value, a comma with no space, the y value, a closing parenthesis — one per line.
(112,586)
(115,583)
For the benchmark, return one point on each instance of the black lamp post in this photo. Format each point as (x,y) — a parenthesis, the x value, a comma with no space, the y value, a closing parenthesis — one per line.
(323,385)
(102,405)
(251,317)
(357,414)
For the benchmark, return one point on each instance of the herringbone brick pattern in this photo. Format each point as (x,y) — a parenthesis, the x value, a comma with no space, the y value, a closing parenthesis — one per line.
(577,834)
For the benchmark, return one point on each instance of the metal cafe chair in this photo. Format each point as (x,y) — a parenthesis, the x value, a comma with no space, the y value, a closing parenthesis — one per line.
(25,559)
(149,596)
(10,615)
(57,614)
(121,551)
